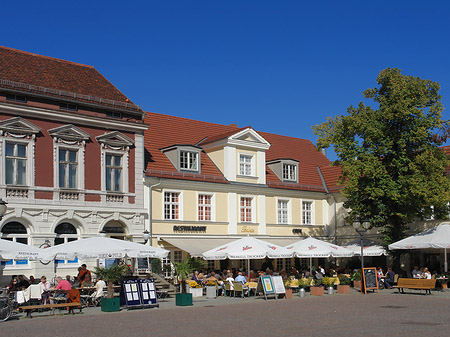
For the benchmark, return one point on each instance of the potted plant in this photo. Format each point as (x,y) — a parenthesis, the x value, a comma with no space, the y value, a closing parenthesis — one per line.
(287,286)
(344,285)
(302,285)
(356,278)
(111,275)
(195,288)
(317,288)
(442,280)
(211,289)
(329,283)
(182,270)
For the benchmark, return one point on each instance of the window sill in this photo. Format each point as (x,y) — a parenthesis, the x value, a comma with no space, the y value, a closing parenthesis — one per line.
(248,177)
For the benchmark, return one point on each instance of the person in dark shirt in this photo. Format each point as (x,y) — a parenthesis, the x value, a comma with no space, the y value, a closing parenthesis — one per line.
(389,278)
(23,284)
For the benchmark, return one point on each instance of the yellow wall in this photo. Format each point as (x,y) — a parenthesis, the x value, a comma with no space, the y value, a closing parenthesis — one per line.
(221,207)
(318,212)
(217,156)
(271,204)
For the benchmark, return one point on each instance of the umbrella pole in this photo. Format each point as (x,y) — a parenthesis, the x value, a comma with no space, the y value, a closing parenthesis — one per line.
(445,260)
(248,269)
(310,265)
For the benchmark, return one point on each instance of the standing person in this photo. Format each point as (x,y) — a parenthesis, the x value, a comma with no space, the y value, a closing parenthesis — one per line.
(84,276)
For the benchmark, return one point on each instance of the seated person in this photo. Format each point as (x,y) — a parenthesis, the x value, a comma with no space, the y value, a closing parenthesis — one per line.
(62,285)
(416,273)
(99,286)
(426,274)
(84,276)
(13,286)
(389,278)
(45,289)
(241,278)
(23,284)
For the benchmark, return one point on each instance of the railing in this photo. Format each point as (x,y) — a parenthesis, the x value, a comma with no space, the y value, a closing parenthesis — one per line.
(65,195)
(17,192)
(68,94)
(114,198)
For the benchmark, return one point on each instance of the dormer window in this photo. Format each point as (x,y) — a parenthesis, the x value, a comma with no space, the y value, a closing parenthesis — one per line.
(289,172)
(245,165)
(285,169)
(188,160)
(184,157)
(16,98)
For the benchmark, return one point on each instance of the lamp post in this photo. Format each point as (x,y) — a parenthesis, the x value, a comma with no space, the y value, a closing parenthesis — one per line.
(2,208)
(146,236)
(361,227)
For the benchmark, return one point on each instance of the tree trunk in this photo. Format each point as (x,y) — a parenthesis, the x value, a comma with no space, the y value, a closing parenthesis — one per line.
(110,290)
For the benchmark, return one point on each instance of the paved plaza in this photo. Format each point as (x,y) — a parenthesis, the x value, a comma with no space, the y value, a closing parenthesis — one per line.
(387,314)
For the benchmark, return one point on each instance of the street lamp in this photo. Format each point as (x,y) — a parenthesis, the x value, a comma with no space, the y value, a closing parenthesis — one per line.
(146,236)
(2,208)
(361,227)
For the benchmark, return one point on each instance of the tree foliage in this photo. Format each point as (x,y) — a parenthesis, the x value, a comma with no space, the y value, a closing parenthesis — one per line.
(392,166)
(111,275)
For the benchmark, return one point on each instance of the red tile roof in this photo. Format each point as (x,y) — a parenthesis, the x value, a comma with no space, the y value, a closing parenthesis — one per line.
(32,73)
(168,130)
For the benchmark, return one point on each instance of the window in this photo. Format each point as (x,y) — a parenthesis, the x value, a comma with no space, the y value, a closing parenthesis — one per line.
(67,168)
(171,205)
(204,207)
(65,232)
(68,106)
(16,164)
(306,213)
(114,114)
(245,165)
(188,160)
(289,172)
(113,173)
(177,256)
(16,98)
(15,231)
(283,211)
(246,209)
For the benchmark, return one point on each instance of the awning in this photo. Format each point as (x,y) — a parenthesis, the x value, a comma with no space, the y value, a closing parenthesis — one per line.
(196,246)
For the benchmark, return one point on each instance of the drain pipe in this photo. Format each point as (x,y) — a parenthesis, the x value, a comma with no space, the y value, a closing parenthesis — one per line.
(151,211)
(334,202)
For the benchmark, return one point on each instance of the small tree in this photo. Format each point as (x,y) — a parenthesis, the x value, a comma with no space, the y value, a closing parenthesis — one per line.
(111,275)
(183,269)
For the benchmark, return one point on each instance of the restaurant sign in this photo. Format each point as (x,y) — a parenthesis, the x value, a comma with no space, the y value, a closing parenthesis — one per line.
(189,229)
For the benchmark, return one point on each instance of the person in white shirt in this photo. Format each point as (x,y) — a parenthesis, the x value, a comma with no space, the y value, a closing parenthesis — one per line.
(45,289)
(99,286)
(426,274)
(416,273)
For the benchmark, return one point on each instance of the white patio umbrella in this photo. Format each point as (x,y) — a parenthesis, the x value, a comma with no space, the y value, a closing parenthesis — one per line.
(437,237)
(105,248)
(311,247)
(19,251)
(370,248)
(249,248)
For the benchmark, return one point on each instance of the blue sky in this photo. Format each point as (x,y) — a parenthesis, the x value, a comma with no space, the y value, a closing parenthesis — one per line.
(279,66)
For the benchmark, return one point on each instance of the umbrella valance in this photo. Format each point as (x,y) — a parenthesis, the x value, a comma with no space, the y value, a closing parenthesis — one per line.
(370,248)
(19,251)
(105,248)
(437,237)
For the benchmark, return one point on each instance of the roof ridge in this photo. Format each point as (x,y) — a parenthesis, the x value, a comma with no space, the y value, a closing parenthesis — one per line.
(46,57)
(189,119)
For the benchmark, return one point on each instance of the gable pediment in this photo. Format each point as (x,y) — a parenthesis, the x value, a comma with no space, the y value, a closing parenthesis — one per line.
(19,125)
(249,138)
(115,138)
(69,132)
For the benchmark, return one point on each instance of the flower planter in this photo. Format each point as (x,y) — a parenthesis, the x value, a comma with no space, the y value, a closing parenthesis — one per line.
(444,285)
(196,292)
(317,291)
(343,289)
(183,299)
(357,285)
(211,292)
(288,293)
(111,304)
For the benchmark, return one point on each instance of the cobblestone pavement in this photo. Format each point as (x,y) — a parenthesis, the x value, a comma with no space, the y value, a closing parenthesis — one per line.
(387,314)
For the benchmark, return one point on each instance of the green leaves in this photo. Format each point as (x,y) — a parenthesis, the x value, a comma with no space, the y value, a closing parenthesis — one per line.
(391,163)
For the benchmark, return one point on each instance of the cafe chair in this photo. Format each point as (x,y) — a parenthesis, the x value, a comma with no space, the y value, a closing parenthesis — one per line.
(239,287)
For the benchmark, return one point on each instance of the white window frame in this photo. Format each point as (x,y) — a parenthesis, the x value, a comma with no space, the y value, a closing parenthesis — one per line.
(79,156)
(191,156)
(14,238)
(287,210)
(16,158)
(180,205)
(125,159)
(245,164)
(292,172)
(212,206)
(114,168)
(251,208)
(312,220)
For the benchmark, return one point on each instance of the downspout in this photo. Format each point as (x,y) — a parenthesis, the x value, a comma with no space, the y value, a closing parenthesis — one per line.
(151,211)
(334,202)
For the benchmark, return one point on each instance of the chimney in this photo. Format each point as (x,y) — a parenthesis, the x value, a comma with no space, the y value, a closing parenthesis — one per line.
(324,151)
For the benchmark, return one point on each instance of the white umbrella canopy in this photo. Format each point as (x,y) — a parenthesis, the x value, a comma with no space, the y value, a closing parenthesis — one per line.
(311,247)
(437,237)
(105,248)
(247,248)
(370,248)
(19,251)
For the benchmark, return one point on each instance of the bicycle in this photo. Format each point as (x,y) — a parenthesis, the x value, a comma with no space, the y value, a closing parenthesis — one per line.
(6,306)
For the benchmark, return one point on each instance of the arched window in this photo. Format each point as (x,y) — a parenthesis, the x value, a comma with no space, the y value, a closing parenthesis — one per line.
(115,230)
(65,232)
(15,231)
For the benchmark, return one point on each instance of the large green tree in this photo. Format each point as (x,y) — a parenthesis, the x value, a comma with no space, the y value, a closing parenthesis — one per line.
(392,166)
